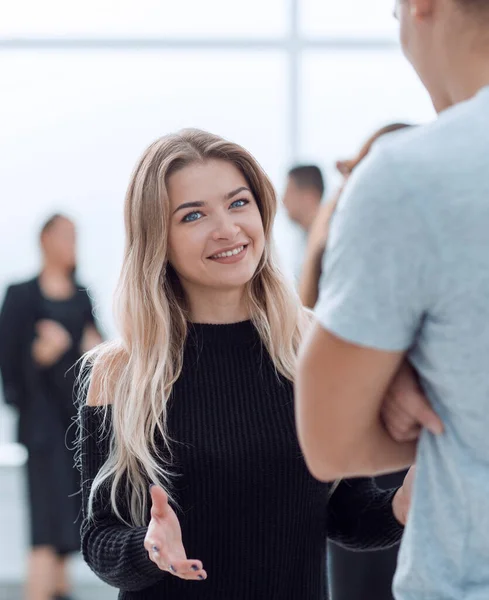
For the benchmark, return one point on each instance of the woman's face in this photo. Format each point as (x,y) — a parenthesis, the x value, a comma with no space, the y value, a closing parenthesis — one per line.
(59,243)
(216,236)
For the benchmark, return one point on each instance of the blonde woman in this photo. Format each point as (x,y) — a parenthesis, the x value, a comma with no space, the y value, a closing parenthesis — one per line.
(197,399)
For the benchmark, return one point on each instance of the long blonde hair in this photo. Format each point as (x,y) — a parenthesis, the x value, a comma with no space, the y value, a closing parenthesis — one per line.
(136,374)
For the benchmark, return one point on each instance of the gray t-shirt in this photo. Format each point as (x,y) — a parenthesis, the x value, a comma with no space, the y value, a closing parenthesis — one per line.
(407,269)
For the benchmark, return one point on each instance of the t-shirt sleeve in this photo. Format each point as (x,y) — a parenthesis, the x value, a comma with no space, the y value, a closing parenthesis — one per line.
(378,279)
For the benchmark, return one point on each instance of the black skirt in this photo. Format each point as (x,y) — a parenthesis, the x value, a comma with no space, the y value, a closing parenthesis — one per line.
(54,492)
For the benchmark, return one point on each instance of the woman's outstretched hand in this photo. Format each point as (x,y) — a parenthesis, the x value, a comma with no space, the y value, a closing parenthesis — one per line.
(164,540)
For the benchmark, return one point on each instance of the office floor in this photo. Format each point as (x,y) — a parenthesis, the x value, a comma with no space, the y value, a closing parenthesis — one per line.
(81,592)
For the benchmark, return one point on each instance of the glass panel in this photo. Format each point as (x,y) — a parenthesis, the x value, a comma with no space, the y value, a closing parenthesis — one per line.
(144,18)
(348,95)
(349,18)
(73,125)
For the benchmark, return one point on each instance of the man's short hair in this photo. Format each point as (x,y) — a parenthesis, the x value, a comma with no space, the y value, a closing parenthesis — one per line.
(476,7)
(307,177)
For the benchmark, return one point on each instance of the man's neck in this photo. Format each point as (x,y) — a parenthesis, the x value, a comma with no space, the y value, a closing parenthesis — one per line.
(469,73)
(56,282)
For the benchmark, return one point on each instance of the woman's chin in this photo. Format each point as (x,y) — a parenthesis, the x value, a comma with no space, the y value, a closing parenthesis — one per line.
(231,281)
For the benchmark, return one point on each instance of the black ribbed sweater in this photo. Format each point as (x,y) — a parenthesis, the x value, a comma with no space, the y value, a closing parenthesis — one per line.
(248,507)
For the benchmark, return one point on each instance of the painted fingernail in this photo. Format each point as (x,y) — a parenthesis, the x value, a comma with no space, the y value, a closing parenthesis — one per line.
(201,577)
(195,568)
(155,549)
(151,485)
(172,569)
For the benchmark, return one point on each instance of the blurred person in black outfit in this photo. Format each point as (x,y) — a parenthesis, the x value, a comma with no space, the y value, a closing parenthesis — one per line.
(46,324)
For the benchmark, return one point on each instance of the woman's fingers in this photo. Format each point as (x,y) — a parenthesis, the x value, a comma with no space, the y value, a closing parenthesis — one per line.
(182,568)
(189,569)
(164,540)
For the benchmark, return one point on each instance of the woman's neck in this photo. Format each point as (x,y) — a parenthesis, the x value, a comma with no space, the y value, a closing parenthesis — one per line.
(56,282)
(217,306)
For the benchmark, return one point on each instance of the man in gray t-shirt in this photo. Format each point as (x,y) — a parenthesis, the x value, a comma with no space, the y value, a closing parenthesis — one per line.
(406,274)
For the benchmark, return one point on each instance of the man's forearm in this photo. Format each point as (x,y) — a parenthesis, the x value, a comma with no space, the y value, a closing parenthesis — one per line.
(377,453)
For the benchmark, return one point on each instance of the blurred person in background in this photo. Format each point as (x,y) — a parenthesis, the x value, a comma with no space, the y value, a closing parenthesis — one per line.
(303,194)
(318,230)
(353,575)
(197,398)
(406,277)
(46,324)
(302,198)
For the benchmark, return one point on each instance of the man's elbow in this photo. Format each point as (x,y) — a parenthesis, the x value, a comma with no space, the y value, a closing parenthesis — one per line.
(323,471)
(327,463)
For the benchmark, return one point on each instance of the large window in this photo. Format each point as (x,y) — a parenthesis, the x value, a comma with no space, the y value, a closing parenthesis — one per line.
(82,118)
(349,19)
(361,93)
(105,19)
(85,86)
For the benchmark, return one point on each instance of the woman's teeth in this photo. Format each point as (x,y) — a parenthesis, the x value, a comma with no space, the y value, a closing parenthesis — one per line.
(229,253)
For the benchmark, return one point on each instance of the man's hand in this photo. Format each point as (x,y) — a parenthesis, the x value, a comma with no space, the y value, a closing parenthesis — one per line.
(401,502)
(406,410)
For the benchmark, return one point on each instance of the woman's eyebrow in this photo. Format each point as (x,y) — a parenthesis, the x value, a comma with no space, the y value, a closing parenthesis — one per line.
(237,191)
(189,205)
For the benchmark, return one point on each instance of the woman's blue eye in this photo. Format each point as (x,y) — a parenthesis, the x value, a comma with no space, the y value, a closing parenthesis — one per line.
(239,203)
(194,216)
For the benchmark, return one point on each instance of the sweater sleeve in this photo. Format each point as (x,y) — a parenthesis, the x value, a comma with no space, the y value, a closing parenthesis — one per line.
(360,516)
(113,550)
(12,326)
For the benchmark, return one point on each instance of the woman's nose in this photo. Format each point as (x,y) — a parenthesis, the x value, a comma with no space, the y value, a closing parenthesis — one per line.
(226,228)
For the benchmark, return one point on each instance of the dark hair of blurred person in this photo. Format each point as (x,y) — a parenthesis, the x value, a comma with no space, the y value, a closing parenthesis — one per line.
(46,324)
(311,271)
(303,194)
